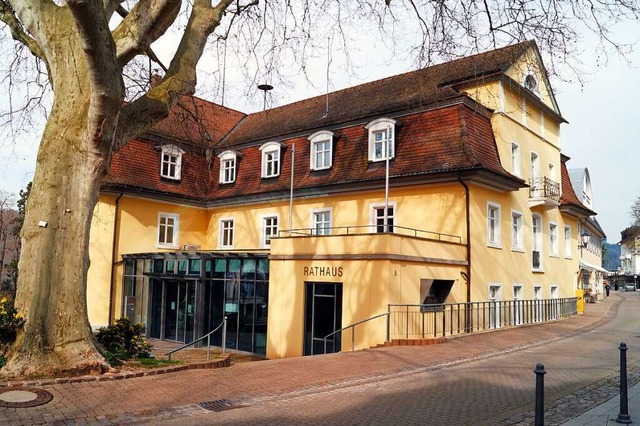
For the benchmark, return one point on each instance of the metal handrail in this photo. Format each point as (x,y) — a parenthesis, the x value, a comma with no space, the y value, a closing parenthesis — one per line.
(435,320)
(207,336)
(349,230)
(352,327)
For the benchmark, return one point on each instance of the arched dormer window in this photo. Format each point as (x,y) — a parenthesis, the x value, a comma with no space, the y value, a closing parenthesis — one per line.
(228,166)
(171,162)
(270,159)
(531,83)
(381,139)
(321,150)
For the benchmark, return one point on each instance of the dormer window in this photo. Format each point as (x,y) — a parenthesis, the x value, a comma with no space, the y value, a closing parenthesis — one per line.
(270,159)
(321,150)
(171,162)
(228,166)
(381,139)
(531,83)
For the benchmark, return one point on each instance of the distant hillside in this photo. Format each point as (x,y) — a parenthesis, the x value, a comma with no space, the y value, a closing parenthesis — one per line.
(611,258)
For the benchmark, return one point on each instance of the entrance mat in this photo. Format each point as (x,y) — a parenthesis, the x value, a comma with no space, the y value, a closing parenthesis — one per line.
(220,405)
(23,397)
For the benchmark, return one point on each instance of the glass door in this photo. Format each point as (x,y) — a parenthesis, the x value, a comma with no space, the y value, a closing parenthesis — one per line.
(171,310)
(323,316)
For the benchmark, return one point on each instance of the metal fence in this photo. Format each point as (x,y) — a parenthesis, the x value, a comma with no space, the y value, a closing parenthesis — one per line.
(425,321)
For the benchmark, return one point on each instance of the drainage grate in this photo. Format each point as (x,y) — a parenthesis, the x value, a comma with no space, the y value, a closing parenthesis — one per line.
(220,405)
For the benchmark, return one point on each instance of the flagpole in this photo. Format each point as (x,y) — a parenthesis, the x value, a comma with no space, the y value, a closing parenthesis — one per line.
(386,181)
(293,159)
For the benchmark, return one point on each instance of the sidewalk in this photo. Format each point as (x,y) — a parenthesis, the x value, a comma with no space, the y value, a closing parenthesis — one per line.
(175,396)
(608,412)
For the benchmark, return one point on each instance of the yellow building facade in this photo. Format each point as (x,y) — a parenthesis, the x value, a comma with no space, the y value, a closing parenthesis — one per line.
(444,188)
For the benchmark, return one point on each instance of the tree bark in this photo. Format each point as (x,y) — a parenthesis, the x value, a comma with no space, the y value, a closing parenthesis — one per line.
(56,338)
(83,131)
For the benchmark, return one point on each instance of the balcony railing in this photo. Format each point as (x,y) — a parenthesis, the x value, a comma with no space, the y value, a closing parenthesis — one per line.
(544,188)
(369,229)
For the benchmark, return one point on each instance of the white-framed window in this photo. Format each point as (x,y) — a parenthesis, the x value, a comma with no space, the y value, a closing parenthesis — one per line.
(226,233)
(555,307)
(270,159)
(269,229)
(552,172)
(553,239)
(168,226)
(228,166)
(518,304)
(536,242)
(171,162)
(495,305)
(321,150)
(321,221)
(568,250)
(494,236)
(517,233)
(377,217)
(381,139)
(538,308)
(515,159)
(535,166)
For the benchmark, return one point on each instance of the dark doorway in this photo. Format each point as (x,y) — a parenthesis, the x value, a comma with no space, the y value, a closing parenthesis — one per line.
(323,316)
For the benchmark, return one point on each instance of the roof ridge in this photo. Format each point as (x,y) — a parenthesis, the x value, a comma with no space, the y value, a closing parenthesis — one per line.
(380,80)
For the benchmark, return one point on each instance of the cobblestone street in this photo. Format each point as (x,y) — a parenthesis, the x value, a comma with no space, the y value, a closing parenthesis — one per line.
(478,379)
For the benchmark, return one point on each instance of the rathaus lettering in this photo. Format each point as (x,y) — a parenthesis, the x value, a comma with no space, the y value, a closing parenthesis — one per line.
(321,271)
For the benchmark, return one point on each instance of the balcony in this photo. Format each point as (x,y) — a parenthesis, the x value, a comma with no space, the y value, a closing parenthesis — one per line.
(544,191)
(364,243)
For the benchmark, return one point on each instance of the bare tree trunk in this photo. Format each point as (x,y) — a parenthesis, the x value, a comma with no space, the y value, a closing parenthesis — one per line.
(56,338)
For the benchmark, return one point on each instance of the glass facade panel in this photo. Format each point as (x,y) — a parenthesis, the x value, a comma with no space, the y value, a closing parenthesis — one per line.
(194,266)
(182,267)
(235,287)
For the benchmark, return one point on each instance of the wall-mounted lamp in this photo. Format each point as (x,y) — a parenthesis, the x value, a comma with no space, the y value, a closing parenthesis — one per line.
(584,241)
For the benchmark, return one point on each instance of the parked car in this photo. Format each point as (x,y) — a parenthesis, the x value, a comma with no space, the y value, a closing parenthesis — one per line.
(629,287)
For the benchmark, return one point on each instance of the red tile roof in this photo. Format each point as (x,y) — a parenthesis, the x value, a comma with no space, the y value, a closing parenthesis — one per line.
(440,140)
(137,167)
(445,132)
(398,93)
(198,122)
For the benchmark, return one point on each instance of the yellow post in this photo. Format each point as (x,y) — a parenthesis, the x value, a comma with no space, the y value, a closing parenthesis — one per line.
(580,297)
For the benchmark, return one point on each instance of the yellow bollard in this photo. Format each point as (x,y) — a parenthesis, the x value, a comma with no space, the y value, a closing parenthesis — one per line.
(580,297)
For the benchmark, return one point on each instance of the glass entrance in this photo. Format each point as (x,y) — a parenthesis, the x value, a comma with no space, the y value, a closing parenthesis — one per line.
(323,316)
(172,310)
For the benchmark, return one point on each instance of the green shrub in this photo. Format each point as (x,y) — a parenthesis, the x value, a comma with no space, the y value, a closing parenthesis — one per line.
(10,322)
(122,341)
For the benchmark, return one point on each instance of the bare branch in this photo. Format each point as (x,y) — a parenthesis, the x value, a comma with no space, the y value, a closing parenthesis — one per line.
(147,21)
(8,16)
(107,89)
(180,78)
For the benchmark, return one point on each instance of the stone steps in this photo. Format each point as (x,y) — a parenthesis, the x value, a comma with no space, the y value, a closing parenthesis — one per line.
(411,342)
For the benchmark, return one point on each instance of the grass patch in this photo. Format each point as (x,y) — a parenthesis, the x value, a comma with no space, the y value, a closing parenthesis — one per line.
(151,363)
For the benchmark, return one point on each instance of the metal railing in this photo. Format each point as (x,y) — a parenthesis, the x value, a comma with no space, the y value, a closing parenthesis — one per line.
(207,336)
(545,188)
(353,330)
(369,229)
(440,320)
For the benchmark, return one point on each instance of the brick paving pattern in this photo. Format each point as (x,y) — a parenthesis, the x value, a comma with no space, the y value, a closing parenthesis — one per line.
(478,379)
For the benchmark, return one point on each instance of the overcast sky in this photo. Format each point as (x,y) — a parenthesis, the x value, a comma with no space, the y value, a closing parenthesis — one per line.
(603,131)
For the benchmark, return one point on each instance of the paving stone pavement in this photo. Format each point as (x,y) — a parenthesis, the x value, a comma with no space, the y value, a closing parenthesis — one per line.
(483,378)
